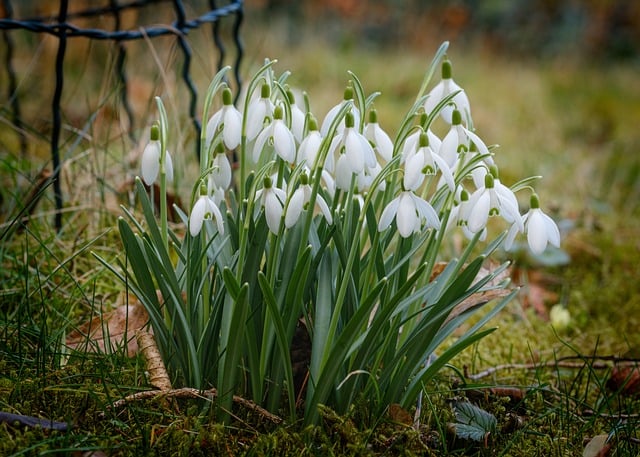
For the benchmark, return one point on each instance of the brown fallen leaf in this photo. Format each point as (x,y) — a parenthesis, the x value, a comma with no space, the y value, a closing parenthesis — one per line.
(625,378)
(108,331)
(400,415)
(597,447)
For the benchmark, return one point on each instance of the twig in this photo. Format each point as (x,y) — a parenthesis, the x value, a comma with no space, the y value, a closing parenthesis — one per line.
(190,392)
(590,412)
(533,366)
(31,421)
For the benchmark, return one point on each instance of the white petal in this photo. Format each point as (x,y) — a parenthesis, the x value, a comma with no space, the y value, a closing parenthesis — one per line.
(150,162)
(434,97)
(197,215)
(537,232)
(221,174)
(294,209)
(283,142)
(426,211)
(258,146)
(272,211)
(511,236)
(388,214)
(217,215)
(479,212)
(380,139)
(212,127)
(309,148)
(232,132)
(475,139)
(413,176)
(168,166)
(297,122)
(354,152)
(446,172)
(343,173)
(324,208)
(449,147)
(328,119)
(258,111)
(406,218)
(553,234)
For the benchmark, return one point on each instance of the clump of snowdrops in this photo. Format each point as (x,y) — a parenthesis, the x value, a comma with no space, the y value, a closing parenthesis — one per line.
(331,227)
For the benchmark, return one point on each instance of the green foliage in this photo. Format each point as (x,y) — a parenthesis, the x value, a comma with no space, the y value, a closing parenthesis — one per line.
(228,303)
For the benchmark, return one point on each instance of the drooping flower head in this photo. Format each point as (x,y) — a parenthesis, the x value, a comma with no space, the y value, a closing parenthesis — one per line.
(297,117)
(540,228)
(272,199)
(227,121)
(355,154)
(300,200)
(276,135)
(488,201)
(259,113)
(409,211)
(444,88)
(204,209)
(378,138)
(150,162)
(333,112)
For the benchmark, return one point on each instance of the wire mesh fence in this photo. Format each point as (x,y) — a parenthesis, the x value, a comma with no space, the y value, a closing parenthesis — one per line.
(62,24)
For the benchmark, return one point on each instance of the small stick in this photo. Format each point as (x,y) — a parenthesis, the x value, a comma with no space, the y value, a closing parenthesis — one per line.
(532,366)
(190,392)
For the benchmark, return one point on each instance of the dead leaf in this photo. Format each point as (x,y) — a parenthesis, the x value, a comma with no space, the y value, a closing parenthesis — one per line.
(536,292)
(107,332)
(597,447)
(398,414)
(625,377)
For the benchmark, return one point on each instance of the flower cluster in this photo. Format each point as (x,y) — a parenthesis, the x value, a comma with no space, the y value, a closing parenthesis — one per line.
(331,224)
(445,182)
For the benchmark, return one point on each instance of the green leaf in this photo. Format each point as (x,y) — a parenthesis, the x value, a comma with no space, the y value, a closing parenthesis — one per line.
(473,423)
(281,338)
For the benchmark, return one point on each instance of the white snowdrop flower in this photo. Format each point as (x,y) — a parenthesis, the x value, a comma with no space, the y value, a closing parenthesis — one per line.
(259,113)
(445,87)
(354,146)
(343,173)
(278,136)
(485,202)
(381,142)
(459,214)
(458,140)
(221,172)
(409,211)
(429,164)
(310,145)
(300,200)
(227,120)
(297,117)
(413,175)
(333,112)
(150,162)
(365,179)
(217,194)
(272,199)
(204,209)
(411,144)
(541,229)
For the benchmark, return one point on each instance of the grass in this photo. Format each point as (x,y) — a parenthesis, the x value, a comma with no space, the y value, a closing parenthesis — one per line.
(569,120)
